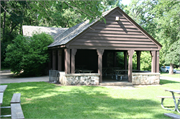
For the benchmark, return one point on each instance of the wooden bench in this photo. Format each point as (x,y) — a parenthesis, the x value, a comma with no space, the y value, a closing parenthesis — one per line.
(120,76)
(162,99)
(2,88)
(1,98)
(171,115)
(16,98)
(16,110)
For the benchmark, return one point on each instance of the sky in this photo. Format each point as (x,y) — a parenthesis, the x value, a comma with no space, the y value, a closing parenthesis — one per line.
(125,2)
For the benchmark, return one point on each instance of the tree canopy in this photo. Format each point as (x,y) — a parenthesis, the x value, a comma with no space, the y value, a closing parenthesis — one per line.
(29,54)
(160,18)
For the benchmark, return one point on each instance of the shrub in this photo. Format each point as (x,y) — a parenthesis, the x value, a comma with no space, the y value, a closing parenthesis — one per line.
(29,54)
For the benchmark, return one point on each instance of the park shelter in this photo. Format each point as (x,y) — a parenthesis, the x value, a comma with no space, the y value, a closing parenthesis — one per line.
(90,43)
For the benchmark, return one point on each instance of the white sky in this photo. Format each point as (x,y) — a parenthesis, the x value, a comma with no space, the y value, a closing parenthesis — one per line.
(125,2)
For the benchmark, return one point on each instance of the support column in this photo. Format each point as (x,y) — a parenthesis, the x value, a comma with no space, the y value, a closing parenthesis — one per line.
(114,54)
(73,53)
(67,61)
(138,59)
(54,59)
(157,62)
(50,60)
(130,53)
(100,53)
(153,61)
(60,60)
(125,60)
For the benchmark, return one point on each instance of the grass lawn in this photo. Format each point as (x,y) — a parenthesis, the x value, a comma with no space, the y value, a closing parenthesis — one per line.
(45,100)
(175,75)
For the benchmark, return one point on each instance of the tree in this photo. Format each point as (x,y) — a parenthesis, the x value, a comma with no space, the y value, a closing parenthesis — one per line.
(29,54)
(168,22)
(56,13)
(142,12)
(173,55)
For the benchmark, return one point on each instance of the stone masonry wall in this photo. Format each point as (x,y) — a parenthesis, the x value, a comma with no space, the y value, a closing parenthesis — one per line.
(79,79)
(145,78)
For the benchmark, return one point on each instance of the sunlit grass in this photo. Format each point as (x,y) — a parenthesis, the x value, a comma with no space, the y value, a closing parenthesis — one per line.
(45,100)
(174,75)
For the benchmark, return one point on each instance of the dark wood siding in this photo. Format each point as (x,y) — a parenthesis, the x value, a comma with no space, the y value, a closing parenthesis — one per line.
(114,34)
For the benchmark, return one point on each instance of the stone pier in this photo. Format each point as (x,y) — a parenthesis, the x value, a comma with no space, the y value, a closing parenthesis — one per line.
(145,78)
(79,79)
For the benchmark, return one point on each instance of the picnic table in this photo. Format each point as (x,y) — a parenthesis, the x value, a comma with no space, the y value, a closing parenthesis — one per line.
(118,73)
(174,98)
(16,110)
(2,89)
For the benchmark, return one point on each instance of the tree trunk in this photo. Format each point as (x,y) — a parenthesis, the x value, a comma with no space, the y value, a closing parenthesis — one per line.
(12,28)
(4,25)
(171,69)
(20,28)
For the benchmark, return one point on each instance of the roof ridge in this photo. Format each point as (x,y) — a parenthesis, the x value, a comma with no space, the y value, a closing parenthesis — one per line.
(75,30)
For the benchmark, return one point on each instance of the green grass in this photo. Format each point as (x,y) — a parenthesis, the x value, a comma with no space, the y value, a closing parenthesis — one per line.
(45,100)
(175,75)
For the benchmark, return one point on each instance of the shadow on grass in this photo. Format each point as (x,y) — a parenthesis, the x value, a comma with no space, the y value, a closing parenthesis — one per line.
(167,81)
(44,100)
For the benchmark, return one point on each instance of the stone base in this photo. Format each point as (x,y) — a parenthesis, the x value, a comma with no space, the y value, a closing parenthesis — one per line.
(145,78)
(79,79)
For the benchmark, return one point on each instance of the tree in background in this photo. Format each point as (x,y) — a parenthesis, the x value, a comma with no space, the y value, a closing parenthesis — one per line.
(55,13)
(29,54)
(168,22)
(160,18)
(173,55)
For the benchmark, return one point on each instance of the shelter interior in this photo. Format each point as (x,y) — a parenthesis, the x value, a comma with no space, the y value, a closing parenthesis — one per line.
(114,63)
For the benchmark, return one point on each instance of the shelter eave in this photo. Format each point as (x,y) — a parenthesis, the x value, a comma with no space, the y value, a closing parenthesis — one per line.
(57,47)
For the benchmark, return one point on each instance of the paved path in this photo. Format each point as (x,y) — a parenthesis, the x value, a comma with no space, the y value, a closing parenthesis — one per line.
(169,78)
(6,77)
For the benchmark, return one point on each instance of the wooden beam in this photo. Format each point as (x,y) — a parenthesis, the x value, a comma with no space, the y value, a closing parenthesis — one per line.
(50,60)
(54,59)
(157,62)
(73,53)
(125,60)
(138,59)
(114,48)
(100,54)
(153,61)
(67,61)
(130,53)
(60,60)
(115,65)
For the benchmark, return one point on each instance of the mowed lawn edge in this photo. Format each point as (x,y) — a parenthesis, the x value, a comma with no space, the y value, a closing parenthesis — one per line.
(46,100)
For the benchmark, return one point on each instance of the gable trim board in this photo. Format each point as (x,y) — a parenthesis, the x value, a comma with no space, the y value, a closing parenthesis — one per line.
(138,34)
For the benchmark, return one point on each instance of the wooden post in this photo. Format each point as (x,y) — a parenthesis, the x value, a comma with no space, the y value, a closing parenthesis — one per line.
(67,61)
(153,61)
(130,53)
(100,53)
(50,60)
(114,54)
(60,60)
(138,59)
(54,59)
(157,63)
(125,60)
(73,53)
